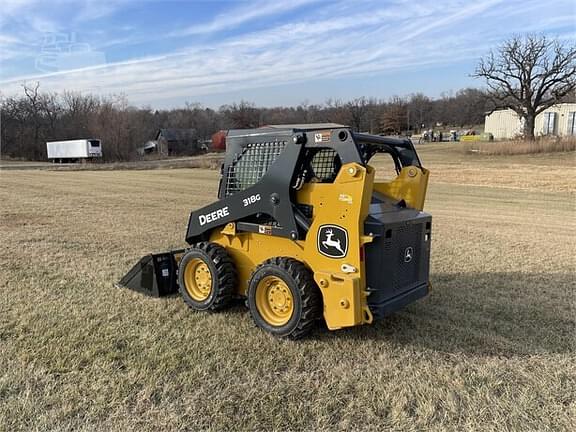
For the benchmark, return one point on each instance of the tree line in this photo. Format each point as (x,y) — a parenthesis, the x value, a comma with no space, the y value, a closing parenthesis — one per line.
(526,73)
(34,117)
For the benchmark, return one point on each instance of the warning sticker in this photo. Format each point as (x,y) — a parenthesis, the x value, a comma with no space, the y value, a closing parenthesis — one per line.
(265,229)
(323,136)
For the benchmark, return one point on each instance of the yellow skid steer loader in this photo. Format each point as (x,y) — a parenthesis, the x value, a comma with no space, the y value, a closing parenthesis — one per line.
(303,232)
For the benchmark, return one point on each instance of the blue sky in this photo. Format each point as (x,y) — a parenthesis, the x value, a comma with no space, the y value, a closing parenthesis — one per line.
(164,53)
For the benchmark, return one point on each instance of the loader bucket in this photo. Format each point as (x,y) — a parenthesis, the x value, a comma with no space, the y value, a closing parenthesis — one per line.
(154,275)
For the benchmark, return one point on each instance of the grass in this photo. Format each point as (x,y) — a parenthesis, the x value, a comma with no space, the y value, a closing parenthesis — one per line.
(521,147)
(207,161)
(491,348)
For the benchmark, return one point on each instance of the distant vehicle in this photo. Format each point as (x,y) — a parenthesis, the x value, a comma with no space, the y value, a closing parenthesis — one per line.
(74,150)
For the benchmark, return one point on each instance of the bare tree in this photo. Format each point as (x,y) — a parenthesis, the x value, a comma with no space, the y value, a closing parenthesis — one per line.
(335,112)
(357,110)
(51,110)
(242,115)
(528,75)
(78,111)
(15,127)
(419,107)
(395,116)
(467,107)
(110,123)
(34,114)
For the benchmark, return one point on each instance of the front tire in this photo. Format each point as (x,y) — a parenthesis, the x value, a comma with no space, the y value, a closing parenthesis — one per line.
(207,277)
(283,298)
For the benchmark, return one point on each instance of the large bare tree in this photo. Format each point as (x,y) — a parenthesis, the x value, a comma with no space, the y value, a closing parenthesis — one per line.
(528,74)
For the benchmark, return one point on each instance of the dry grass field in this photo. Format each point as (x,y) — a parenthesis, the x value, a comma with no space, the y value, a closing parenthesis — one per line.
(491,348)
(518,147)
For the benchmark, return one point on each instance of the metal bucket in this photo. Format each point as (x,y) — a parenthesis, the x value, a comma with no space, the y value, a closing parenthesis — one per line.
(155,275)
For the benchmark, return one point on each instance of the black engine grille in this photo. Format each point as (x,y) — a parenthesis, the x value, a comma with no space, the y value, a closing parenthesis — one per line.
(406,250)
(398,261)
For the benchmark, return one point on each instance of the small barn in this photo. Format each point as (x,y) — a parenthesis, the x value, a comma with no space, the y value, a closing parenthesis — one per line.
(558,120)
(175,142)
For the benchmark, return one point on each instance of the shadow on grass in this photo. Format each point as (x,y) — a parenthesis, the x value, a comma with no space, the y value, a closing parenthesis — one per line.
(501,314)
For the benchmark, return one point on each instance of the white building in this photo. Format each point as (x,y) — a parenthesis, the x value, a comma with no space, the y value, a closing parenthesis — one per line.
(559,120)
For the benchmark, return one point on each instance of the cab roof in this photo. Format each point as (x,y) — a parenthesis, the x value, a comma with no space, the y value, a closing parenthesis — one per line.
(294,127)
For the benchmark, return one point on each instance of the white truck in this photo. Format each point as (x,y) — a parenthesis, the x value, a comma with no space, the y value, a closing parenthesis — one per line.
(74,150)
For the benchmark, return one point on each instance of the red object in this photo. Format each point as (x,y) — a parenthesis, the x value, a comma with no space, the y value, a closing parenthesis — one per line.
(219,140)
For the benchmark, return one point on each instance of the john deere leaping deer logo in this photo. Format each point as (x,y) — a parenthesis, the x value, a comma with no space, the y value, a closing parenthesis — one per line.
(332,241)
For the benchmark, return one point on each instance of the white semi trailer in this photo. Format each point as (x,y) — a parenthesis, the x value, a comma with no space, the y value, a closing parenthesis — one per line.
(74,150)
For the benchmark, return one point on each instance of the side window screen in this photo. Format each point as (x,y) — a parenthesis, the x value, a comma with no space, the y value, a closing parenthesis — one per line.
(324,165)
(251,165)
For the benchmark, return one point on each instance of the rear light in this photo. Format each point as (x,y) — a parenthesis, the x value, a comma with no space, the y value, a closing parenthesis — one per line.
(361,253)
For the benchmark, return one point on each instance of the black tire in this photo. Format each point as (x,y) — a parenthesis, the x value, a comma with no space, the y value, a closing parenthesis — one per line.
(306,298)
(222,277)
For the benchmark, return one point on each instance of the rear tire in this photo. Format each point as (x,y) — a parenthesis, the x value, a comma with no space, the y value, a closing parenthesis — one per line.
(283,298)
(207,277)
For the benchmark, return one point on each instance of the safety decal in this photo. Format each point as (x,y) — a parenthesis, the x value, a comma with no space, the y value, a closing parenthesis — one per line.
(320,137)
(265,229)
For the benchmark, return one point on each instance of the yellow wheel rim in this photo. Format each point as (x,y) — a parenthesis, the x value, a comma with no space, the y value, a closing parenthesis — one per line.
(274,301)
(198,279)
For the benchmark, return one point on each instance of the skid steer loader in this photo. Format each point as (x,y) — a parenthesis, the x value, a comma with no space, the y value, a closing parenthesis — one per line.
(302,231)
